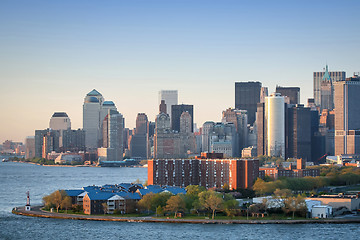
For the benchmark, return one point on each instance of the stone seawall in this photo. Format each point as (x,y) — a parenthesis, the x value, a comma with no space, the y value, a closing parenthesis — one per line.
(37,212)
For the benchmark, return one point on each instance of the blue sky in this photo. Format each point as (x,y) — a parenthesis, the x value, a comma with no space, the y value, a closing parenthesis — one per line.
(53,52)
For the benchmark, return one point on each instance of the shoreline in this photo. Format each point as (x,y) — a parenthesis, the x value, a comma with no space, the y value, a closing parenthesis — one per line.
(37,212)
(58,165)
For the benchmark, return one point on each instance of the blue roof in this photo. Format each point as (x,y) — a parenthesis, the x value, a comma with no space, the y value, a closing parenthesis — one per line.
(94,92)
(147,191)
(128,195)
(175,190)
(125,185)
(100,195)
(108,103)
(74,192)
(91,188)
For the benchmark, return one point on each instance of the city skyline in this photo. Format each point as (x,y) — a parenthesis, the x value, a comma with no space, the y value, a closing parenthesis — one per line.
(53,54)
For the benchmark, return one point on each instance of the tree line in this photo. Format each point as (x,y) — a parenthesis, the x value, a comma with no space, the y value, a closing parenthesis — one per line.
(329,176)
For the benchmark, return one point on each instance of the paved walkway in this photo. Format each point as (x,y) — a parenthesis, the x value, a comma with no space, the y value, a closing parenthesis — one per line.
(37,212)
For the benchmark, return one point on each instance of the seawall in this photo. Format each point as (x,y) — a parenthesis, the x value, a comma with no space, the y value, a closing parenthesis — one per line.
(37,212)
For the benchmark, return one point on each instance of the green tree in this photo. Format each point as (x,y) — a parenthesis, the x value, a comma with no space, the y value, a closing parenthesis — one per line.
(230,207)
(146,202)
(211,200)
(159,211)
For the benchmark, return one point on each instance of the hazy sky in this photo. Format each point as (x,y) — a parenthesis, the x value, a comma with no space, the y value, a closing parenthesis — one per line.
(52,53)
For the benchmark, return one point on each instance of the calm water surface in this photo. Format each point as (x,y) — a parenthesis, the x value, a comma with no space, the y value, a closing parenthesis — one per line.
(17,178)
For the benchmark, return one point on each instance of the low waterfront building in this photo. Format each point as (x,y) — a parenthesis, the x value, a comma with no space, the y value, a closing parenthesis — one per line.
(321,211)
(351,202)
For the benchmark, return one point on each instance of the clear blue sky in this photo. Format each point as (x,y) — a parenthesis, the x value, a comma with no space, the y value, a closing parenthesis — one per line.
(53,52)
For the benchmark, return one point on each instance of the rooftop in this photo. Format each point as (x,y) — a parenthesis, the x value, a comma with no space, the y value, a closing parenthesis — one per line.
(94,92)
(60,114)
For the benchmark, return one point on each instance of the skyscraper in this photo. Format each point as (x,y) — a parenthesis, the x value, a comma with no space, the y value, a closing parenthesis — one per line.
(298,132)
(91,118)
(240,119)
(138,140)
(247,96)
(293,93)
(176,111)
(205,133)
(323,87)
(114,136)
(275,118)
(170,97)
(347,115)
(60,121)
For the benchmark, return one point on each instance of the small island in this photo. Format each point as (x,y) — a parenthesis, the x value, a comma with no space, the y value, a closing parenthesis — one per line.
(136,202)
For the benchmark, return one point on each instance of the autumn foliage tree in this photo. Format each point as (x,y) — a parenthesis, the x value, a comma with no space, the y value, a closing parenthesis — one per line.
(175,204)
(58,199)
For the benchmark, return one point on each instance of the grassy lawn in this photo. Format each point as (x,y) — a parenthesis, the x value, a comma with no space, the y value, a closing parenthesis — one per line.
(223,217)
(190,216)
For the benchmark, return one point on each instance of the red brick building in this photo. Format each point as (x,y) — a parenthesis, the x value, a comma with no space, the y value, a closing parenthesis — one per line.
(290,172)
(237,173)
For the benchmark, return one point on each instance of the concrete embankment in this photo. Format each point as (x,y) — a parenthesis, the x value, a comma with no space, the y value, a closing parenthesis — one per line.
(37,212)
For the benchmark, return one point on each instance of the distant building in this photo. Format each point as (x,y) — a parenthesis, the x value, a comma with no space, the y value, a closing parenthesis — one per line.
(46,141)
(293,93)
(176,111)
(249,152)
(323,87)
(114,137)
(162,107)
(30,147)
(173,144)
(91,118)
(210,173)
(170,97)
(298,132)
(264,92)
(222,139)
(60,121)
(271,126)
(205,133)
(240,119)
(72,140)
(138,141)
(347,115)
(247,96)
(299,171)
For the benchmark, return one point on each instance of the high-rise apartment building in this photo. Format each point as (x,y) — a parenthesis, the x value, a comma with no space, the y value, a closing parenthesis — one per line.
(247,96)
(293,93)
(209,173)
(176,111)
(347,115)
(60,121)
(170,97)
(323,87)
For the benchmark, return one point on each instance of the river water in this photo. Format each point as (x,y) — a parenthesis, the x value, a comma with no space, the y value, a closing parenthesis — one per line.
(17,178)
